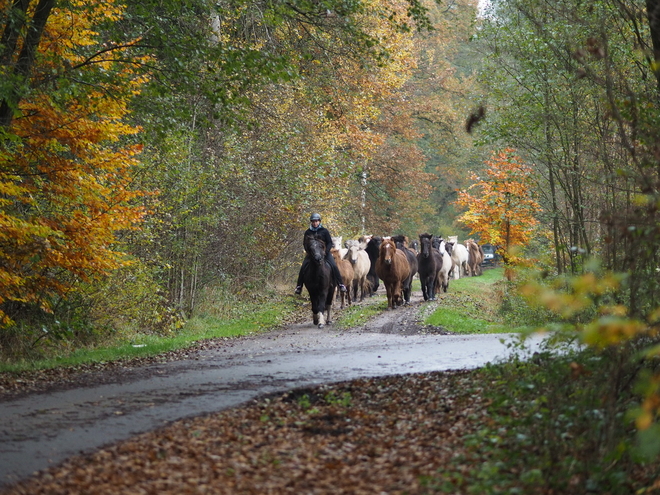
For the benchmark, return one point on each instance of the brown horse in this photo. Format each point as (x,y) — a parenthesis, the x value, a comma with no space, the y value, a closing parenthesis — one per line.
(476,257)
(392,268)
(401,242)
(346,270)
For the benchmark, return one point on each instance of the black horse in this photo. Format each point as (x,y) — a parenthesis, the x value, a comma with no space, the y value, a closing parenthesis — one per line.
(429,263)
(373,250)
(401,242)
(318,280)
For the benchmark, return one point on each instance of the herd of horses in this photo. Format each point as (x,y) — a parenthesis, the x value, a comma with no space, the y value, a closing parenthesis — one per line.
(394,260)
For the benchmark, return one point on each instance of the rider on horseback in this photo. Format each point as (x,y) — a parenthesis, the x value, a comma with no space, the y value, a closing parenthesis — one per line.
(322,233)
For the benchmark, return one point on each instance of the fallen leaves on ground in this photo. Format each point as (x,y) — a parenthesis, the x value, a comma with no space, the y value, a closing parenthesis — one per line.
(370,436)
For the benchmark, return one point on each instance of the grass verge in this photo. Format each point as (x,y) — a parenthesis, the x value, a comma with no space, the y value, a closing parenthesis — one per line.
(250,318)
(471,305)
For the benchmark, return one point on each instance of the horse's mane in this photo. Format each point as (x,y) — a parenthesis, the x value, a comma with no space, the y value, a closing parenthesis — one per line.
(309,237)
(400,240)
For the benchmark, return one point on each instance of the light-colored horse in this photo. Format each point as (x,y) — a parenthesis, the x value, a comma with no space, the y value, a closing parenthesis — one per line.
(445,272)
(460,257)
(360,261)
(336,243)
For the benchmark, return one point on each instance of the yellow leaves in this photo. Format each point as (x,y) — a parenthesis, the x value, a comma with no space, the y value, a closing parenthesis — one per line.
(611,330)
(574,298)
(500,208)
(649,409)
(65,183)
(567,297)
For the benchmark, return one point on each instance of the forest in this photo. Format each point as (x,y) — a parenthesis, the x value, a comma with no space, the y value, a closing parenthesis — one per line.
(158,153)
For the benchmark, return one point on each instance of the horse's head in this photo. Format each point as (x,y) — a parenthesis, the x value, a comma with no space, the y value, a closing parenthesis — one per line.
(336,254)
(315,248)
(447,247)
(387,250)
(353,248)
(373,245)
(425,244)
(363,240)
(401,241)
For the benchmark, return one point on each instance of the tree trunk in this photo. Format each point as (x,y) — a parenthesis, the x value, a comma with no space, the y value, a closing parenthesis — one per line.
(653,16)
(25,60)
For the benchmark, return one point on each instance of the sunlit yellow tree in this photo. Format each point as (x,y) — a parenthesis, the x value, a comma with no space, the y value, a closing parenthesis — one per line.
(500,207)
(65,174)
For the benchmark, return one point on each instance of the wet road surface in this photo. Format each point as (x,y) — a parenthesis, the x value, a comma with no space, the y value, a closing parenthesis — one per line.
(43,429)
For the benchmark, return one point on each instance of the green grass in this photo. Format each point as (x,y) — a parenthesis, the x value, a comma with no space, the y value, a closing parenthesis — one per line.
(252,318)
(471,305)
(356,315)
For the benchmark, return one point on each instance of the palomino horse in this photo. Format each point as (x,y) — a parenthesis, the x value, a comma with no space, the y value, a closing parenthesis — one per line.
(429,261)
(346,271)
(318,280)
(401,242)
(392,268)
(360,261)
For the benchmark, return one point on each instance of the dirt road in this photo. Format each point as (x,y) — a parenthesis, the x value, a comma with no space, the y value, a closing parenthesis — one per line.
(41,429)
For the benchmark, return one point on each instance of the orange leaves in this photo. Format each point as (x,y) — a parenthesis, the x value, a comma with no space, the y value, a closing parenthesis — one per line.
(500,208)
(65,177)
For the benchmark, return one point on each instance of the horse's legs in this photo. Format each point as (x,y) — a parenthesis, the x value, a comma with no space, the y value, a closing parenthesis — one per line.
(396,295)
(390,300)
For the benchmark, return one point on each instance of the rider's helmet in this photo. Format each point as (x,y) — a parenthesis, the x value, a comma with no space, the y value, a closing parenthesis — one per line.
(315,216)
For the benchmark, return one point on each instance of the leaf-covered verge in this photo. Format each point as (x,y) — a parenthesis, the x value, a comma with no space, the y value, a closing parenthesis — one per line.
(545,425)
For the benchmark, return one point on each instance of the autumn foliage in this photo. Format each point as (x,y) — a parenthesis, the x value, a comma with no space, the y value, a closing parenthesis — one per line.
(500,208)
(65,170)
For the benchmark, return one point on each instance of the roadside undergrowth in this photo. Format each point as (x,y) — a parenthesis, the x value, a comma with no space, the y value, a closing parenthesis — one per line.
(554,426)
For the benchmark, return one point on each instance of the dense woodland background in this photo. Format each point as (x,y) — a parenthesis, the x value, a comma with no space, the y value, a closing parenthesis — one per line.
(159,153)
(159,161)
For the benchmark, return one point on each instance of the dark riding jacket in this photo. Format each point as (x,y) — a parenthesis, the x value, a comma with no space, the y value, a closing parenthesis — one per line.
(323,234)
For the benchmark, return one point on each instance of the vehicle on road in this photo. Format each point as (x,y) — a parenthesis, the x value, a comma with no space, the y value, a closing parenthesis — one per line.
(490,255)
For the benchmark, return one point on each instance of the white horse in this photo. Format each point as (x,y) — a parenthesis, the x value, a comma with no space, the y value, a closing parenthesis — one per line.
(361,264)
(460,257)
(336,243)
(444,274)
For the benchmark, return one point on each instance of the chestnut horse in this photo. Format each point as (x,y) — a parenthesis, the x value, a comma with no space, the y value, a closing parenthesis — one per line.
(318,280)
(392,268)
(346,270)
